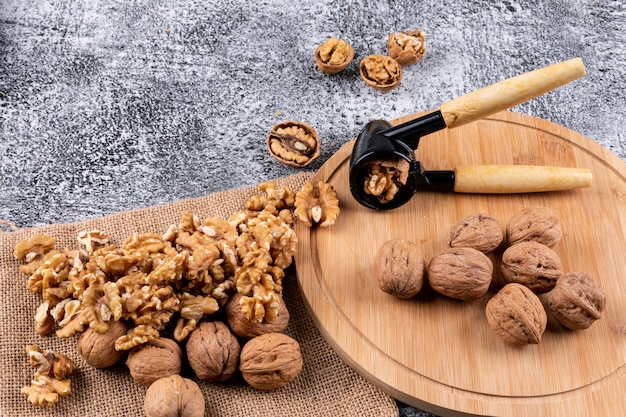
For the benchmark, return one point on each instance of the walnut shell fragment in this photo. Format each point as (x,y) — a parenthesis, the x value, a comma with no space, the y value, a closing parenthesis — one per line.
(245,328)
(531,264)
(334,55)
(407,47)
(174,396)
(156,359)
(399,268)
(540,224)
(381,72)
(294,143)
(270,361)
(576,301)
(213,351)
(317,203)
(479,231)
(461,273)
(516,314)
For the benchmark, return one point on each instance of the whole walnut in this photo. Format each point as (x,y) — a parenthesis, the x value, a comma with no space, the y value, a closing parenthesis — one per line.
(158,358)
(461,273)
(246,328)
(539,224)
(174,396)
(532,264)
(270,361)
(516,314)
(479,231)
(98,349)
(213,351)
(399,268)
(576,301)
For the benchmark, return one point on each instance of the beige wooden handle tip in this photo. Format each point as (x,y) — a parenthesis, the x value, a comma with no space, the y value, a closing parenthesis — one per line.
(507,179)
(510,92)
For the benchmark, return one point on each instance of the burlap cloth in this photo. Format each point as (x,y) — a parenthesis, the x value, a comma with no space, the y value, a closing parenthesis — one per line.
(325,387)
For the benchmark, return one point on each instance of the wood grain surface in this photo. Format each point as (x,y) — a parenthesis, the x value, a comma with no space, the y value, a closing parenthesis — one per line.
(439,354)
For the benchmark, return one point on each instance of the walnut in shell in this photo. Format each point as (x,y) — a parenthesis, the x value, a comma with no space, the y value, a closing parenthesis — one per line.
(294,143)
(317,203)
(479,231)
(399,268)
(540,224)
(381,72)
(334,55)
(98,349)
(270,361)
(245,328)
(407,47)
(516,314)
(461,273)
(213,351)
(531,264)
(156,359)
(576,301)
(174,396)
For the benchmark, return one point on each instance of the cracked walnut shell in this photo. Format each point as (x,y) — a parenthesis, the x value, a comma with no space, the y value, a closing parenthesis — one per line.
(334,55)
(539,224)
(399,268)
(159,358)
(576,301)
(174,396)
(516,314)
(294,143)
(461,273)
(478,231)
(407,47)
(531,264)
(381,72)
(317,203)
(270,361)
(213,351)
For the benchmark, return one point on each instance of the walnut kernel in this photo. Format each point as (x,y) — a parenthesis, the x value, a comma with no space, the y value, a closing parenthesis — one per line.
(478,231)
(576,301)
(294,143)
(540,224)
(407,47)
(461,273)
(174,396)
(516,314)
(399,268)
(531,264)
(270,361)
(381,72)
(317,203)
(334,55)
(385,177)
(51,379)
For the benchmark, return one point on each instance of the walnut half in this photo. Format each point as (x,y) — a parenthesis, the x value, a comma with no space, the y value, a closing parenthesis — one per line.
(293,143)
(407,47)
(381,72)
(334,55)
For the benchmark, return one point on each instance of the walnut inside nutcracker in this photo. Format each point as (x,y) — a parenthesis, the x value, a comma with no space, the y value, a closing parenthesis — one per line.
(461,273)
(517,315)
(385,177)
(381,72)
(174,396)
(399,268)
(334,55)
(577,300)
(407,47)
(294,143)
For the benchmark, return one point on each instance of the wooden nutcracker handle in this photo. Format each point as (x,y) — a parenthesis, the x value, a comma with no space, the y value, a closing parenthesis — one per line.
(504,179)
(510,92)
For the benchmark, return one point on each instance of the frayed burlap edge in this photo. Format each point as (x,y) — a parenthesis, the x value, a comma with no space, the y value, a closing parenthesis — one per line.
(325,387)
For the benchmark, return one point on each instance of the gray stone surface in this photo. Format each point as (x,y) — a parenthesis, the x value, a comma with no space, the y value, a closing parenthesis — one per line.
(107,106)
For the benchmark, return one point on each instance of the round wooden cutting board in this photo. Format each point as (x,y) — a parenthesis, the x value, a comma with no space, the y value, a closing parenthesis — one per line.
(439,354)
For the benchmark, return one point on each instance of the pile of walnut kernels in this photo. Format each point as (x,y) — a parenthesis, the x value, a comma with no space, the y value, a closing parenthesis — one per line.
(529,267)
(142,299)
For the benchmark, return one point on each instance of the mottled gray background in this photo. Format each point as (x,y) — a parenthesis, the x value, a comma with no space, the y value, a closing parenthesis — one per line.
(111,105)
